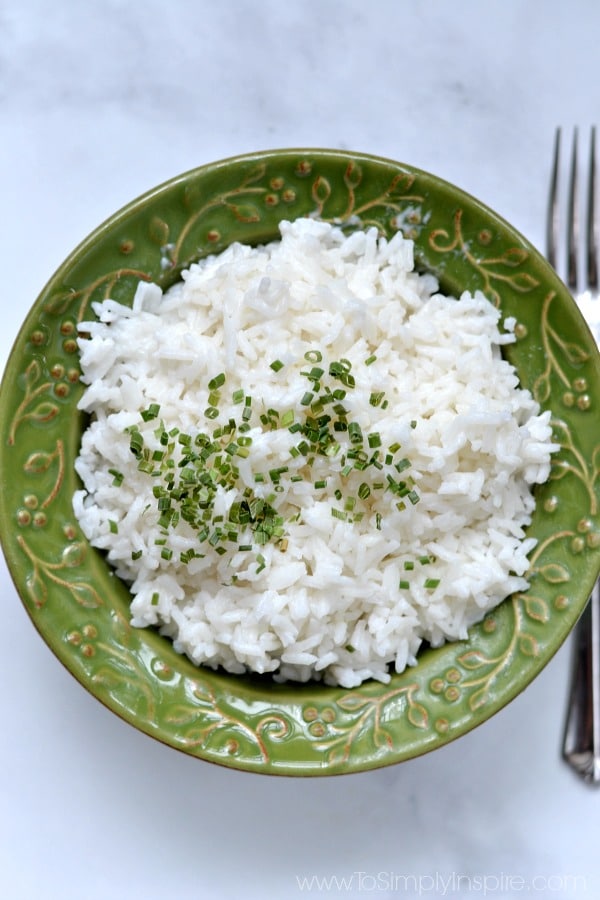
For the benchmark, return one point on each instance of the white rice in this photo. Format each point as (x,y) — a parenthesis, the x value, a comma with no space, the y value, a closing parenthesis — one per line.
(346,599)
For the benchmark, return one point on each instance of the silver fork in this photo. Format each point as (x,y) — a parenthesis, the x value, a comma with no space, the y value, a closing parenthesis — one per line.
(581,741)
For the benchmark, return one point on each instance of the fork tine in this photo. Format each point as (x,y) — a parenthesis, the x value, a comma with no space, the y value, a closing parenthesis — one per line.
(592,219)
(552,217)
(572,220)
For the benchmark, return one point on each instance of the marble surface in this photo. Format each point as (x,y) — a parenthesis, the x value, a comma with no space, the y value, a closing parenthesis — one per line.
(100,101)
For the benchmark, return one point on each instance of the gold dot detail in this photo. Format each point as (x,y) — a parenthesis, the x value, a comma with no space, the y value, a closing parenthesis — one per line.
(310,714)
(584,401)
(38,338)
(303,168)
(520,331)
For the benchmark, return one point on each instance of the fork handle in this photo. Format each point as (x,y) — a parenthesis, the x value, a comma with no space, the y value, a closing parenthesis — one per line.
(581,745)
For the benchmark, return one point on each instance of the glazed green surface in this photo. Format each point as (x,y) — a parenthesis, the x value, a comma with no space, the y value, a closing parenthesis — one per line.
(81,609)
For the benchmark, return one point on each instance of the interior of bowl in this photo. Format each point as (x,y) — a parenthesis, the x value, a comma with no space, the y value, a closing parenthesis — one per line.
(81,609)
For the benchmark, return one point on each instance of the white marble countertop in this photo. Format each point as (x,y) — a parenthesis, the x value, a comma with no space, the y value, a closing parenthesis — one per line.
(100,101)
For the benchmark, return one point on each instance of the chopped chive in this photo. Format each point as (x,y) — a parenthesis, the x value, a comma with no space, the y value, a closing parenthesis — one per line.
(355,433)
(370,360)
(216,382)
(431,583)
(155,599)
(276,365)
(350,648)
(408,565)
(113,526)
(150,413)
(413,497)
(313,356)
(374,440)
(136,554)
(404,585)
(322,483)
(117,477)
(237,396)
(211,412)
(364,490)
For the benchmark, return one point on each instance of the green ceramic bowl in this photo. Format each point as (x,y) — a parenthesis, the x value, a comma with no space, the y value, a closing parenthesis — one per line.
(81,609)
